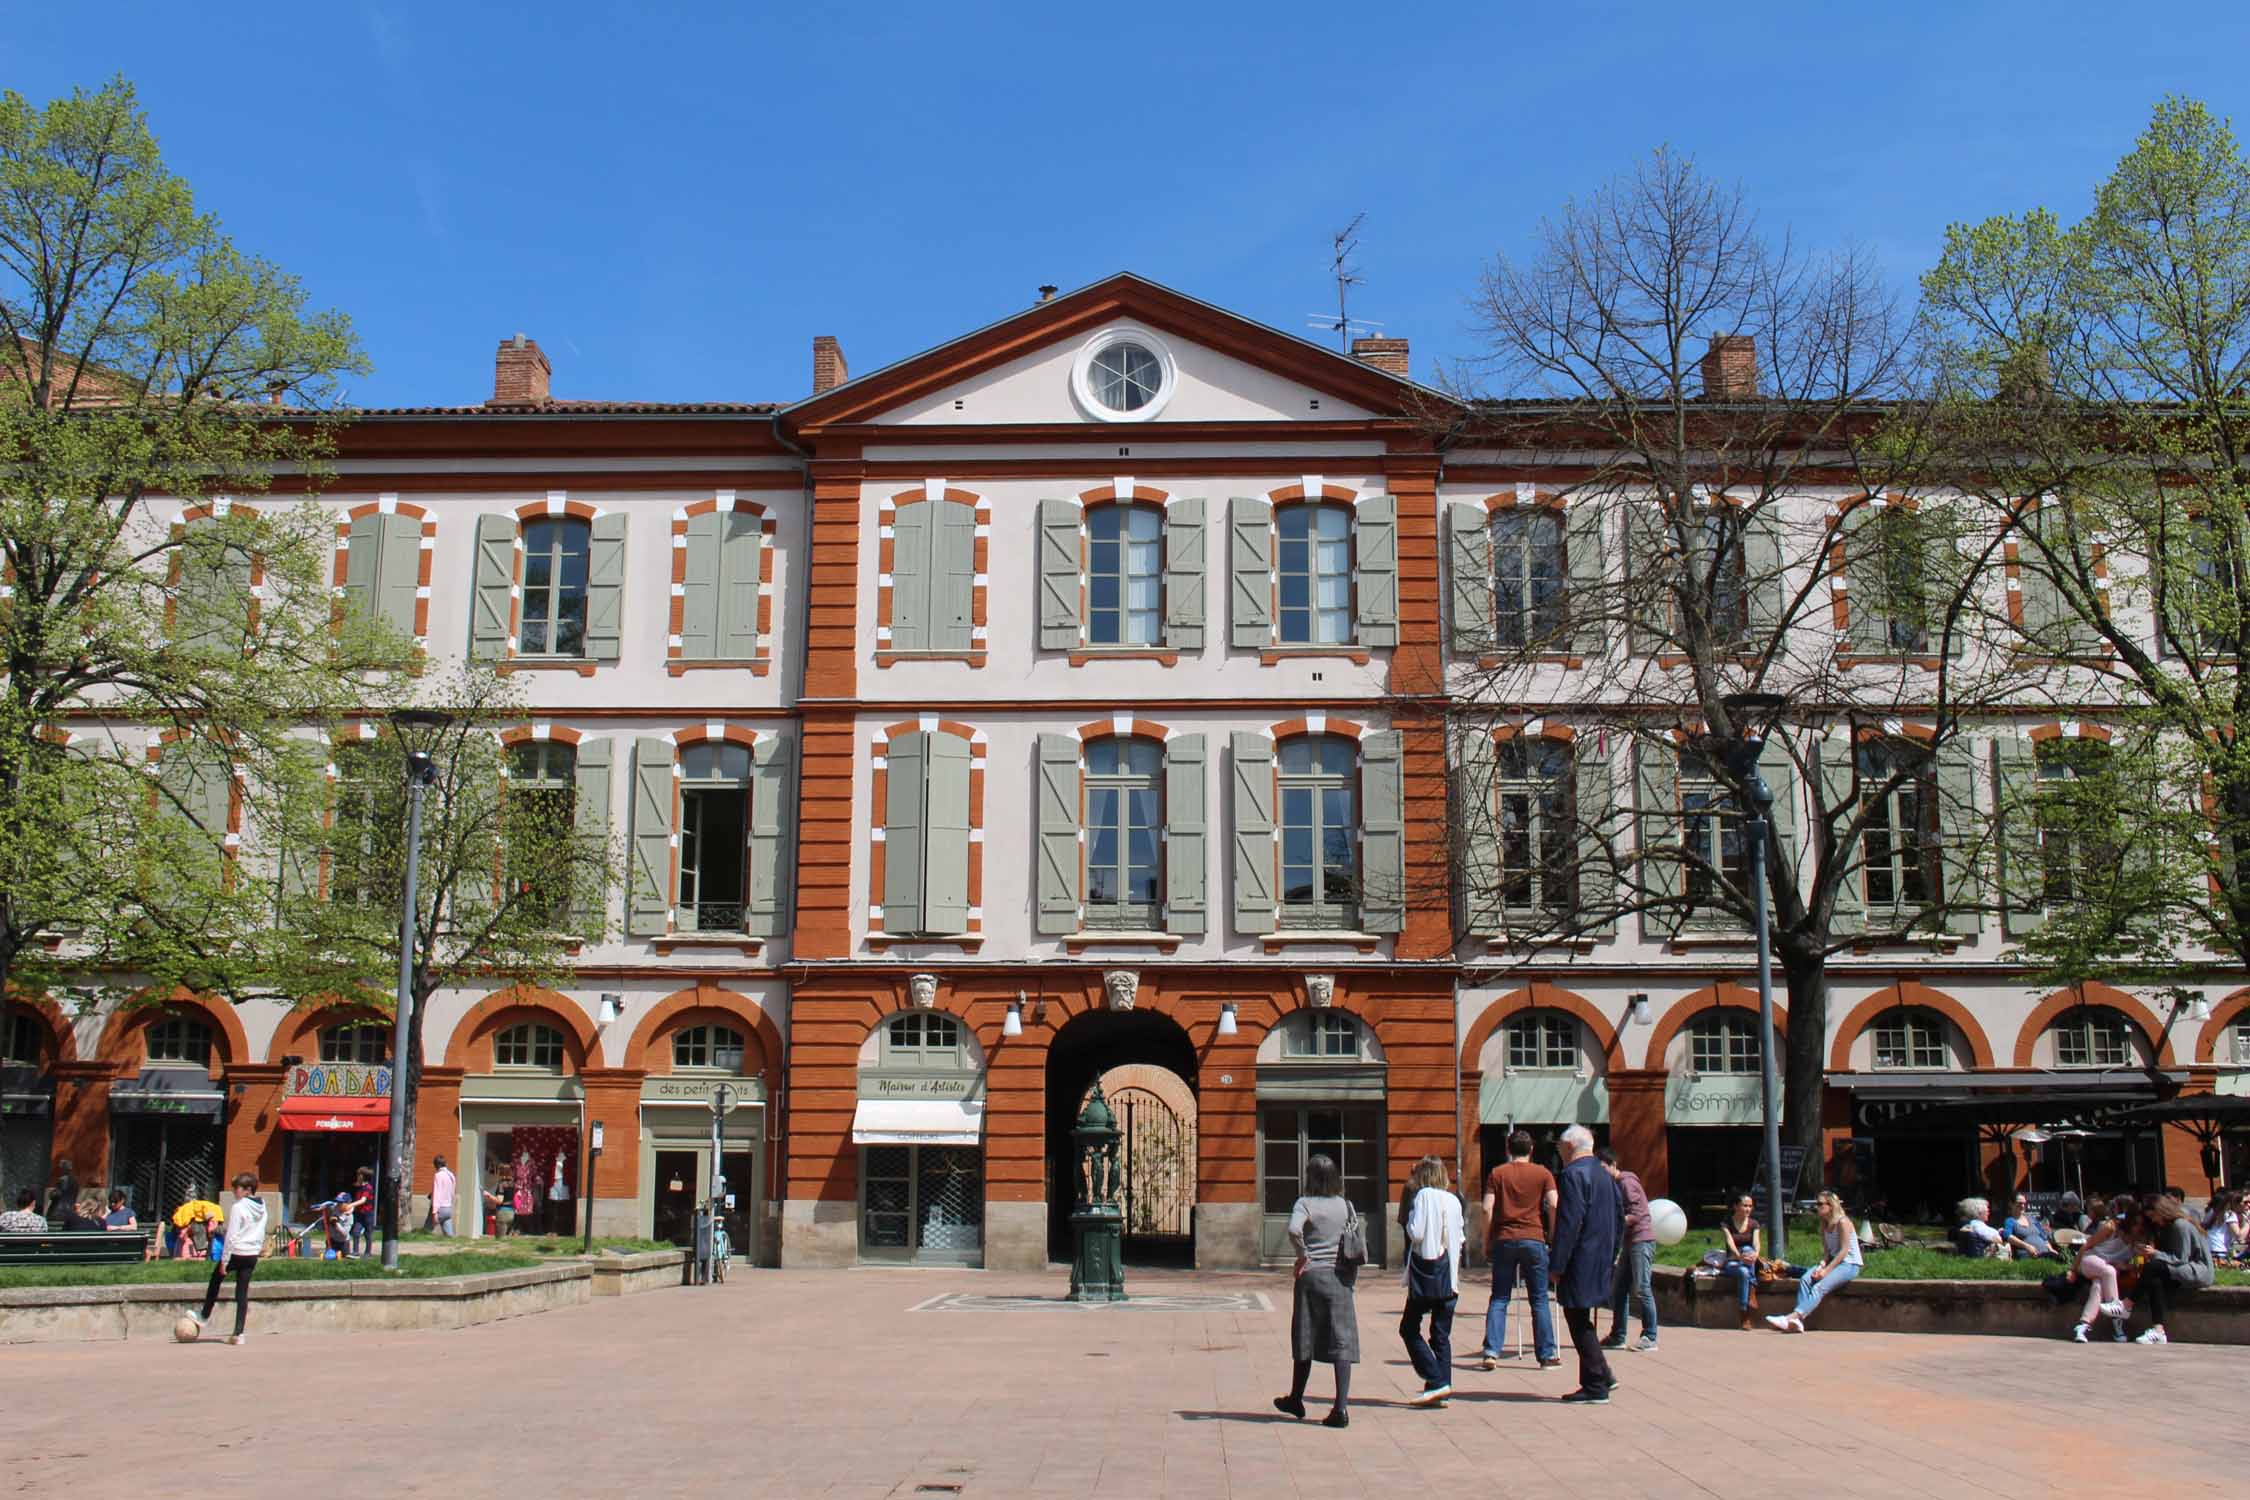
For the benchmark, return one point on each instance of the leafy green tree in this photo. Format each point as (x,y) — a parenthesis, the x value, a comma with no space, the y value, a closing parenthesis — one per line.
(2093,388)
(144,361)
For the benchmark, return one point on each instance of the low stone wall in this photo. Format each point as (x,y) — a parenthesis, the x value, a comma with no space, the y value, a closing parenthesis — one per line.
(2020,1309)
(30,1315)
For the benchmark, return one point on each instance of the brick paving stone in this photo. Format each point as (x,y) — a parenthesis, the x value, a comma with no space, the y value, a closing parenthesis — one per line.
(804,1383)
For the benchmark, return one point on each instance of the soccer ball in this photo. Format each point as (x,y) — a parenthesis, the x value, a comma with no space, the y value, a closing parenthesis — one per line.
(186,1331)
(1669,1221)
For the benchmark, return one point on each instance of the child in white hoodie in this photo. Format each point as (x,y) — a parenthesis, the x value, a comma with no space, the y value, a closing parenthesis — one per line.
(246,1236)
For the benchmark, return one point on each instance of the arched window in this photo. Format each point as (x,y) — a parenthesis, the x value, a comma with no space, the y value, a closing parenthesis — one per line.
(1313,566)
(1721,1041)
(555,559)
(529,1045)
(2094,1037)
(1912,1039)
(1543,1042)
(707,1048)
(1124,575)
(1527,577)
(1331,1034)
(1124,815)
(179,1039)
(363,1042)
(922,1039)
(714,835)
(1319,783)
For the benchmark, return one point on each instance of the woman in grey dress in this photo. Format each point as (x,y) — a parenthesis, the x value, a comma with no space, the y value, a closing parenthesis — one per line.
(1324,1322)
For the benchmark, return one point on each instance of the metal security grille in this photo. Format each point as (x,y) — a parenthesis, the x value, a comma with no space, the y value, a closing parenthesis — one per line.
(887,1178)
(164,1163)
(950,1190)
(921,1202)
(1159,1157)
(24,1142)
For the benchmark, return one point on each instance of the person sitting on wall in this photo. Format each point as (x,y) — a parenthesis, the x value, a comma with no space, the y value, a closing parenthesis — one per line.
(2024,1234)
(120,1215)
(83,1216)
(1976,1236)
(24,1218)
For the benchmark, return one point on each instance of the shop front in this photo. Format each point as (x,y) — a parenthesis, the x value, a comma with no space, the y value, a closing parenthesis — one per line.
(1321,1092)
(1714,1135)
(675,1165)
(521,1132)
(335,1118)
(918,1127)
(167,1138)
(27,1128)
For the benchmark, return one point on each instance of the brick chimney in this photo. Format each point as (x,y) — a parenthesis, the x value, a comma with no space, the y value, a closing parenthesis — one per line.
(520,373)
(828,370)
(1383,354)
(1730,368)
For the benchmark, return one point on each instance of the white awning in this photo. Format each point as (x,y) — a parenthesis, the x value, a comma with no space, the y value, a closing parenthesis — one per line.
(918,1122)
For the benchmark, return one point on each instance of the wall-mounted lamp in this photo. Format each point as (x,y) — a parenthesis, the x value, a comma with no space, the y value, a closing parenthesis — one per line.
(1226,1019)
(612,1006)
(2194,1007)
(1013,1026)
(1636,1009)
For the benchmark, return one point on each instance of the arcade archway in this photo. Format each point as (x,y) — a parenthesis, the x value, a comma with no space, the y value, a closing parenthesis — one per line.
(1152,1061)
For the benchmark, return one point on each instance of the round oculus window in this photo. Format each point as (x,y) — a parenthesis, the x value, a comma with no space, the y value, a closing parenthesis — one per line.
(1125,376)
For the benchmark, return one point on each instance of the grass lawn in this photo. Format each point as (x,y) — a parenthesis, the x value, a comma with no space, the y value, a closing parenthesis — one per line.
(1910,1264)
(160,1272)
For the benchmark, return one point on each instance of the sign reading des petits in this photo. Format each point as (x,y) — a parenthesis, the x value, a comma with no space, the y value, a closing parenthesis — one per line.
(341,1080)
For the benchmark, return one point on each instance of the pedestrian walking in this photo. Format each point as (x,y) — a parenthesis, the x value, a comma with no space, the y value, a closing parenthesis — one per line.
(1839,1245)
(1519,1215)
(246,1237)
(1584,1257)
(443,1187)
(1435,1233)
(1636,1259)
(363,1209)
(1323,1318)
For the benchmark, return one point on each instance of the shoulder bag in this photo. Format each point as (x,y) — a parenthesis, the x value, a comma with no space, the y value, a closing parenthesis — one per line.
(1351,1249)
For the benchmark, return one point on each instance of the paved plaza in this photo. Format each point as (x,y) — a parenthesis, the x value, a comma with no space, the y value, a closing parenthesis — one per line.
(905,1383)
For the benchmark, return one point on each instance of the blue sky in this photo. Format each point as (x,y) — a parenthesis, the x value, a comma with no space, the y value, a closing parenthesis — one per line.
(673,200)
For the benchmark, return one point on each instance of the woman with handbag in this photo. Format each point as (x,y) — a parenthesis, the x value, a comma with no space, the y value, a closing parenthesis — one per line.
(1323,1320)
(1435,1233)
(2179,1261)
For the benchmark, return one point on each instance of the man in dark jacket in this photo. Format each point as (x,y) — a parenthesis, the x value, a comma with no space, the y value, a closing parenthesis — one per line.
(1587,1213)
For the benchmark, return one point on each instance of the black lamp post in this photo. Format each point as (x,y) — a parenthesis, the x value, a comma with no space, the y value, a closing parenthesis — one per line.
(421,774)
(1754,716)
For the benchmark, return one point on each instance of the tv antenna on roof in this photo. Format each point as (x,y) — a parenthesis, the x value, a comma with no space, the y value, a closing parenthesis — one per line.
(1343,243)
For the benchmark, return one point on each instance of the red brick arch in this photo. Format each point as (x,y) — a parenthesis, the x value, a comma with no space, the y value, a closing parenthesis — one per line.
(555,505)
(62,1038)
(472,1038)
(524,734)
(698,1004)
(1319,724)
(299,1031)
(2223,1015)
(1540,994)
(1909,992)
(1290,494)
(1106,729)
(121,1038)
(1725,995)
(2092,993)
(1132,491)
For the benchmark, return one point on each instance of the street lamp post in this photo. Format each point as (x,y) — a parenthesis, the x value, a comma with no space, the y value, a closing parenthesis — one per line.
(1755,713)
(421,773)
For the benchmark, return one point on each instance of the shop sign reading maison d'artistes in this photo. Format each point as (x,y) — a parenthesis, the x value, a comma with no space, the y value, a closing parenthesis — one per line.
(341,1080)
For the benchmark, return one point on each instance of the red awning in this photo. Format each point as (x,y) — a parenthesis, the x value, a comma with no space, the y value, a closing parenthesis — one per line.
(340,1114)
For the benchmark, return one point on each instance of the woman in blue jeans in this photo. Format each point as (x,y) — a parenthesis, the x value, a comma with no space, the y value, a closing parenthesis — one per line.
(1839,1245)
(1744,1241)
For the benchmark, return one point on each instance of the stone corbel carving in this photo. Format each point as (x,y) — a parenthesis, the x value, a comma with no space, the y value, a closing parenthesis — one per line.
(1123,986)
(922,990)
(1320,990)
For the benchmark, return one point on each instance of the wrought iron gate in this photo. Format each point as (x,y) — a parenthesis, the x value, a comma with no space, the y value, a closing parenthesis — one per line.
(1158,1152)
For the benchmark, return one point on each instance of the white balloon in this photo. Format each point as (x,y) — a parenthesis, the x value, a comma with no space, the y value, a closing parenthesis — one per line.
(1669,1221)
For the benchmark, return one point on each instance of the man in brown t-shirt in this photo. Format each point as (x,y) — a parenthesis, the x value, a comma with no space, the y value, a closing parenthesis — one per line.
(1519,1215)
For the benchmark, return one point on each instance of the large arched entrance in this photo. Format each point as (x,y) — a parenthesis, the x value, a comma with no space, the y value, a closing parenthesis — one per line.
(1135,1049)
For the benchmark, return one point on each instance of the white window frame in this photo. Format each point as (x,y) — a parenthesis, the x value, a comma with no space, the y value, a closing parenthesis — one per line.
(533,1038)
(1082,375)
(2088,1029)
(175,1041)
(1549,1038)
(712,1043)
(1913,1034)
(355,1043)
(1724,1038)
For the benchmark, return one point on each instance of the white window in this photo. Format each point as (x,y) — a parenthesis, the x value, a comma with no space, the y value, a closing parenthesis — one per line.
(556,550)
(1123,376)
(176,1039)
(2241,1034)
(715,1048)
(1535,798)
(1722,1042)
(542,804)
(366,1043)
(714,835)
(1319,832)
(1326,1033)
(1124,575)
(1711,828)
(1912,1040)
(529,1045)
(1124,819)
(2093,1039)
(1527,577)
(923,1038)
(1901,842)
(1314,569)
(1545,1043)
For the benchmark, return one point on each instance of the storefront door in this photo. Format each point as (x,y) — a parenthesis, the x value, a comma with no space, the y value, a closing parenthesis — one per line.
(316,1167)
(1349,1134)
(922,1204)
(163,1161)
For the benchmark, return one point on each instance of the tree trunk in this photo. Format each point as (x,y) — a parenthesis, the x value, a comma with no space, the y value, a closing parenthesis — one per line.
(1805,1071)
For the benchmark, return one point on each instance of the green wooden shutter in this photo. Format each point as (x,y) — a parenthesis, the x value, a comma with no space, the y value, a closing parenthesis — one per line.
(1186,836)
(648,910)
(1382,822)
(1961,836)
(605,588)
(1481,911)
(1838,791)
(1596,813)
(212,608)
(772,796)
(910,578)
(742,542)
(1470,532)
(401,581)
(1649,569)
(1184,552)
(699,591)
(1059,571)
(1656,804)
(1250,577)
(1055,907)
(905,798)
(1765,569)
(590,827)
(1375,529)
(1252,763)
(492,607)
(363,569)
(1780,773)
(946,865)
(953,576)
(2023,876)
(1585,563)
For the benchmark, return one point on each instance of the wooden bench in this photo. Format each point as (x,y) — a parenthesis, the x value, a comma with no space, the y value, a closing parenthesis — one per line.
(75,1247)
